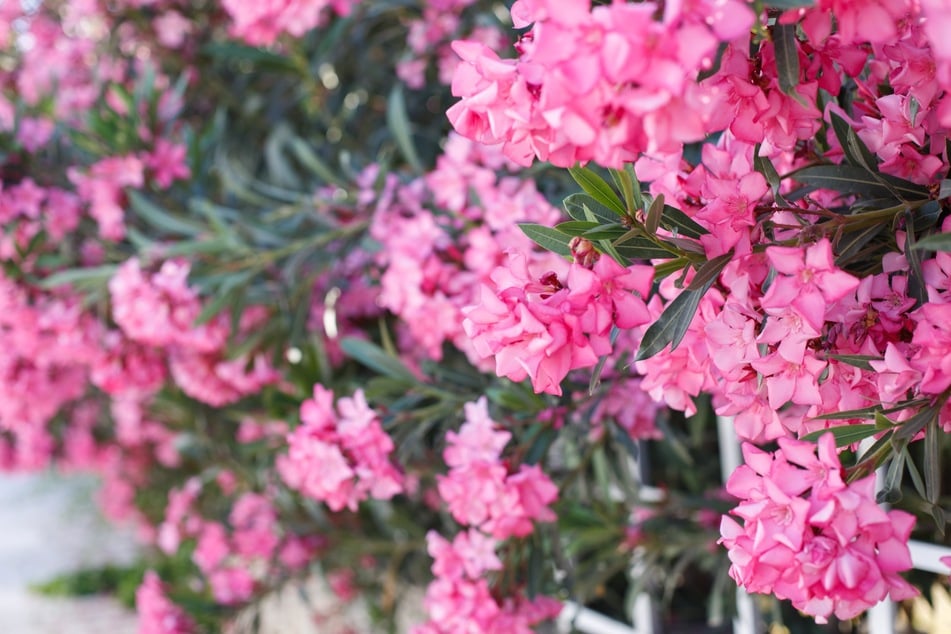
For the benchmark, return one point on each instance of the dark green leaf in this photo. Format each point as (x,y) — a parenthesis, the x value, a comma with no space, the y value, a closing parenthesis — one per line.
(927,215)
(764,166)
(851,243)
(576,227)
(547,238)
(375,358)
(856,152)
(845,435)
(580,205)
(611,231)
(598,188)
(309,159)
(934,242)
(709,272)
(679,223)
(932,461)
(916,279)
(891,488)
(160,218)
(639,248)
(235,52)
(672,324)
(789,4)
(940,519)
(539,447)
(860,361)
(787,56)
(910,428)
(88,276)
(652,220)
(849,179)
(399,124)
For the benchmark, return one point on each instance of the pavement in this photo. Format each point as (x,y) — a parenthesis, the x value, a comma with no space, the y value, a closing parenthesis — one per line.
(49,524)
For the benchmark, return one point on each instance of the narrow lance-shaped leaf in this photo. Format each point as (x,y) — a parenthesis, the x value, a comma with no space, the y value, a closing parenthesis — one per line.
(547,238)
(398,122)
(932,464)
(377,359)
(935,242)
(598,188)
(787,56)
(846,434)
(652,220)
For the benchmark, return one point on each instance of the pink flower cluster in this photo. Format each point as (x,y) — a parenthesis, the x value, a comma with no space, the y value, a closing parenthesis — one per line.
(495,505)
(261,23)
(541,325)
(433,260)
(157,614)
(160,310)
(601,84)
(809,537)
(340,456)
(479,488)
(429,36)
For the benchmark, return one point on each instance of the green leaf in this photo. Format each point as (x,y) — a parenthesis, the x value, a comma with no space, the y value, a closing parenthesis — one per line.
(850,244)
(846,434)
(652,220)
(945,189)
(635,247)
(309,159)
(932,461)
(398,123)
(598,188)
(672,324)
(764,166)
(910,428)
(580,205)
(709,272)
(375,358)
(94,276)
(934,242)
(235,52)
(891,488)
(576,227)
(860,361)
(916,279)
(547,238)
(789,4)
(679,223)
(849,179)
(160,218)
(856,152)
(611,231)
(787,56)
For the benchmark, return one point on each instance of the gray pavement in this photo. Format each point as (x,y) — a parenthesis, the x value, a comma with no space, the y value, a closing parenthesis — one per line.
(49,524)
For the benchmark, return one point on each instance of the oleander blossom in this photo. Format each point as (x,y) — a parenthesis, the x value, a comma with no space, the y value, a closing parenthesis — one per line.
(157,614)
(494,505)
(262,22)
(603,83)
(340,456)
(809,537)
(541,325)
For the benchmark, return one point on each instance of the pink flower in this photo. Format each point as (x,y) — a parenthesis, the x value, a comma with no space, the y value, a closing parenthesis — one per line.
(809,537)
(340,457)
(158,615)
(809,281)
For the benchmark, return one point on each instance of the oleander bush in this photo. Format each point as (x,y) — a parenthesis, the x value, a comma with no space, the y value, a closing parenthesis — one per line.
(451,293)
